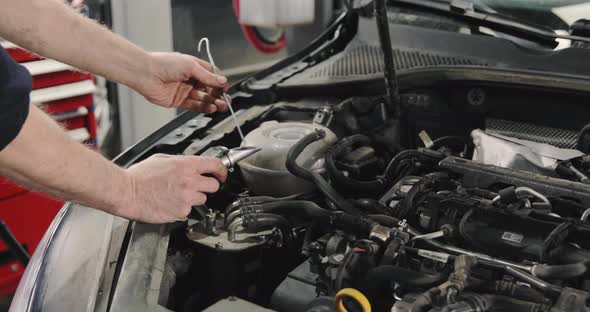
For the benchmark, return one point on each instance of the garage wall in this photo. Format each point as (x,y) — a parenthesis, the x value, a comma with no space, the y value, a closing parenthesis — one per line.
(147,23)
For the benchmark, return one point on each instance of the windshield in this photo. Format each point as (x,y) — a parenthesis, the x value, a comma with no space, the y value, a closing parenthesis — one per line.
(556,14)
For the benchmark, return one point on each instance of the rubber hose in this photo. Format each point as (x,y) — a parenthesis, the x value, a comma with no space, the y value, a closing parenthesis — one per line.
(492,303)
(548,289)
(353,224)
(371,205)
(313,176)
(366,187)
(511,289)
(394,163)
(313,231)
(424,301)
(297,149)
(384,220)
(377,278)
(561,272)
(261,221)
(332,195)
(567,254)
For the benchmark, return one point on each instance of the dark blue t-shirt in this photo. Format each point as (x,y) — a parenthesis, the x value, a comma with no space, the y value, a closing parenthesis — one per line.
(15,88)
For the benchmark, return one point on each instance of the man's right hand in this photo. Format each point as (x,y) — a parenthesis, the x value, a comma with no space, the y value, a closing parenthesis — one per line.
(163,188)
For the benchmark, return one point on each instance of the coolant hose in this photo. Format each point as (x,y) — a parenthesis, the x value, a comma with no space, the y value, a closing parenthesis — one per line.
(297,149)
(313,176)
(349,184)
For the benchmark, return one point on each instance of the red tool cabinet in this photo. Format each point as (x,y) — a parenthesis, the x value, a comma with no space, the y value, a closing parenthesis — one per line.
(67,95)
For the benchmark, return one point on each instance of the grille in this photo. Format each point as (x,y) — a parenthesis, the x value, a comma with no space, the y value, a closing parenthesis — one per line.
(368,60)
(526,131)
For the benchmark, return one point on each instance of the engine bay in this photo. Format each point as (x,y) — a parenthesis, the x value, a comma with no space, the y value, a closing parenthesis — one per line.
(475,214)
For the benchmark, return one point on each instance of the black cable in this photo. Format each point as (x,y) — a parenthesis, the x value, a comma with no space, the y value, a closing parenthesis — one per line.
(448,141)
(393,165)
(17,250)
(554,239)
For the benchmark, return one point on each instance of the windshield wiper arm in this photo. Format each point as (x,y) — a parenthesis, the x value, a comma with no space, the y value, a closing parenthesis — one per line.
(466,11)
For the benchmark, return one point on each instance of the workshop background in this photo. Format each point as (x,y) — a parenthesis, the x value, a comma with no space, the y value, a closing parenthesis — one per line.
(91,110)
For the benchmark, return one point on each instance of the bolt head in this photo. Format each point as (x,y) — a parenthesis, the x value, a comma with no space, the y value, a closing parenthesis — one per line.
(193,123)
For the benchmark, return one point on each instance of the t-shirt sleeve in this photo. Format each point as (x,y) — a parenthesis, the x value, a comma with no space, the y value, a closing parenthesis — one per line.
(15,89)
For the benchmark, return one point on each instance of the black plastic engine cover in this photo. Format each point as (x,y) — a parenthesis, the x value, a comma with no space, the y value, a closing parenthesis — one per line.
(506,235)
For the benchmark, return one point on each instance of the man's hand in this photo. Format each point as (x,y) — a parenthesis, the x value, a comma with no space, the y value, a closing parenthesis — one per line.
(165,187)
(183,81)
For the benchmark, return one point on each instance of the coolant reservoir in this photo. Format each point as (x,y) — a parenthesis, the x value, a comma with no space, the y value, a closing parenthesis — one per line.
(276,13)
(265,172)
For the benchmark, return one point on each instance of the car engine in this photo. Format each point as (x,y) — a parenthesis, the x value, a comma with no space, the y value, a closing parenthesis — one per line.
(332,215)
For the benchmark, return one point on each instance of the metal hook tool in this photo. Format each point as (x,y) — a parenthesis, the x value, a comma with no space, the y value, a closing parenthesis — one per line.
(225,97)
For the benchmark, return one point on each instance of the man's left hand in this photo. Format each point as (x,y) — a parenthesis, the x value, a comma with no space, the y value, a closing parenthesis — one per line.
(183,81)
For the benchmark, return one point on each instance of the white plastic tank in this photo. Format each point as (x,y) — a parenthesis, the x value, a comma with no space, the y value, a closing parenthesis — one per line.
(276,13)
(265,172)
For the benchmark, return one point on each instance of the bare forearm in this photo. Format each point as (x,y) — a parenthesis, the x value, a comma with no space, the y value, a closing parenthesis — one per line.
(50,28)
(44,158)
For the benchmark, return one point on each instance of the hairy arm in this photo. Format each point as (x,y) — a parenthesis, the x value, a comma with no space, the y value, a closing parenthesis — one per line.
(160,189)
(52,29)
(36,160)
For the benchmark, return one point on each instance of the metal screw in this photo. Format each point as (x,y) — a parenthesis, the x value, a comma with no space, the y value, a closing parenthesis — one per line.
(179,132)
(218,245)
(14,267)
(232,298)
